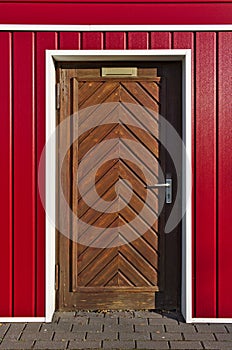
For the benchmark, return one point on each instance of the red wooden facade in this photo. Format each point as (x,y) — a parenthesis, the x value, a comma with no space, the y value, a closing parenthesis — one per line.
(22,136)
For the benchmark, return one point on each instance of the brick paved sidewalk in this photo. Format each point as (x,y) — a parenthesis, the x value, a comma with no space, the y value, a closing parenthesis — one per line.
(115,330)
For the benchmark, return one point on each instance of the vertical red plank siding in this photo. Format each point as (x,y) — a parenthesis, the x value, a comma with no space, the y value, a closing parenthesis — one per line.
(224,174)
(92,40)
(161,40)
(138,40)
(44,41)
(22,256)
(185,40)
(6,175)
(115,40)
(70,40)
(206,175)
(24,175)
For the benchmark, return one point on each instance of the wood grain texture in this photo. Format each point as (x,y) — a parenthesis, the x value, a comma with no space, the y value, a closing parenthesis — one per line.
(114,300)
(224,173)
(64,178)
(24,175)
(6,153)
(44,41)
(110,267)
(106,179)
(206,176)
(88,255)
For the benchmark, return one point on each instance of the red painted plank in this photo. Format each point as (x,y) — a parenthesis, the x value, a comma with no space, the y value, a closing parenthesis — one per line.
(116,13)
(92,41)
(44,41)
(206,175)
(24,175)
(70,40)
(115,40)
(6,175)
(161,40)
(185,40)
(138,40)
(224,174)
(112,1)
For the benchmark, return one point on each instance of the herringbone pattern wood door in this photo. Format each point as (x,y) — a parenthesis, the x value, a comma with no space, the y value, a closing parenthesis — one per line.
(129,264)
(108,266)
(109,263)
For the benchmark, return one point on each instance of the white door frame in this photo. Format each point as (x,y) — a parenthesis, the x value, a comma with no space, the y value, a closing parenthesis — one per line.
(118,55)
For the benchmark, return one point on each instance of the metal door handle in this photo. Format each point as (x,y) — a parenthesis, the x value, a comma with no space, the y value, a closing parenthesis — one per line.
(168,189)
(159,185)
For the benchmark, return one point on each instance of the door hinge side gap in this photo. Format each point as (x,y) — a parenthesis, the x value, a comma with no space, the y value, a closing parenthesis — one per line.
(58,96)
(57,270)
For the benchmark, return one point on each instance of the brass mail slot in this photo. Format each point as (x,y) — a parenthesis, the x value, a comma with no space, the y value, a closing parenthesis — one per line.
(119,71)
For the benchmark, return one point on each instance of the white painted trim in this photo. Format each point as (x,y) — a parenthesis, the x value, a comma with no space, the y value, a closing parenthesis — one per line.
(50,195)
(22,319)
(105,27)
(211,320)
(186,280)
(119,55)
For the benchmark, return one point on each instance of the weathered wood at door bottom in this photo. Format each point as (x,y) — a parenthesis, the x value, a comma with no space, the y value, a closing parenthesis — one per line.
(116,289)
(114,300)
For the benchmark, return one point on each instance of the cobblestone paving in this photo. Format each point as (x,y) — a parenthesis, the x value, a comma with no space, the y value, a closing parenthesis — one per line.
(115,330)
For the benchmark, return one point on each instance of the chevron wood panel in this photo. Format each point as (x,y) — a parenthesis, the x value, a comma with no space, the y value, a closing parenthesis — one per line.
(115,245)
(133,264)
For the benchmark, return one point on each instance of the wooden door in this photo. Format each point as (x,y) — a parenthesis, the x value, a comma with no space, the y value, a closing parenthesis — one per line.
(115,249)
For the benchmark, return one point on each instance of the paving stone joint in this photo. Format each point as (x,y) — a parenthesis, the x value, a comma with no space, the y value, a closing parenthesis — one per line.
(115,330)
